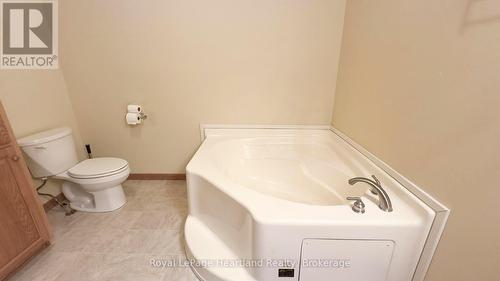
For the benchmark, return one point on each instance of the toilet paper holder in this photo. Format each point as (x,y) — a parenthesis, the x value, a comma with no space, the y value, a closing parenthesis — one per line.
(143,116)
(134,115)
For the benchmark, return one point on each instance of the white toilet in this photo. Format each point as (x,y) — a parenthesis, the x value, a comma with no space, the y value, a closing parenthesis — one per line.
(93,185)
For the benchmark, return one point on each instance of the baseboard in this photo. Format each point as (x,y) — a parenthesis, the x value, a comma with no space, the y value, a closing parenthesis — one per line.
(157,177)
(52,202)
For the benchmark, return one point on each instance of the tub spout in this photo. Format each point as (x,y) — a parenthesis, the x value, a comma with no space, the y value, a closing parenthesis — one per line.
(383,198)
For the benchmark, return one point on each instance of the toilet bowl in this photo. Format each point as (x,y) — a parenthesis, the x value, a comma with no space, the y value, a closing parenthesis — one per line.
(92,185)
(100,179)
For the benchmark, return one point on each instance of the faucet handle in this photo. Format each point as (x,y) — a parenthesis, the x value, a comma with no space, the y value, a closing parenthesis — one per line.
(376,180)
(358,206)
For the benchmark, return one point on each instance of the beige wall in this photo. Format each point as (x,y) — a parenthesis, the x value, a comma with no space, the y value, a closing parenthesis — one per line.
(190,62)
(419,87)
(37,101)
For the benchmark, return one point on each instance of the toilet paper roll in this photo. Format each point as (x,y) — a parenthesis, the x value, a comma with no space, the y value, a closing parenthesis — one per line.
(133,108)
(133,118)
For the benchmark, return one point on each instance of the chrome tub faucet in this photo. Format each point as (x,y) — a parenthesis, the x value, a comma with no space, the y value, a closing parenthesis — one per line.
(384,202)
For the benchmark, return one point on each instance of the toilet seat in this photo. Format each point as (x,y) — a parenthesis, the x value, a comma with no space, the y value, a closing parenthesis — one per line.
(97,168)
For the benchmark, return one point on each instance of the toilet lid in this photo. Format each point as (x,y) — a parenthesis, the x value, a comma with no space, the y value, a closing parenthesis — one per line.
(96,167)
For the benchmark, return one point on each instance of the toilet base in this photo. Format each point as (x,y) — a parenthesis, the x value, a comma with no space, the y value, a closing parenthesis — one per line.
(106,200)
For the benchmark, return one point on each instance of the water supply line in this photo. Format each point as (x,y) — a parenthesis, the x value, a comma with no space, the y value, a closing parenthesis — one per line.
(89,151)
(63,204)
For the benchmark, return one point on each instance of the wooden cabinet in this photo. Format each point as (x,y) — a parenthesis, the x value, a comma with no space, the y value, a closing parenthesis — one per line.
(24,229)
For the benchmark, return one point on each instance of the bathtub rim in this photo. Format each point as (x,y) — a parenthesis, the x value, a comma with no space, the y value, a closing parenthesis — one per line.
(268,209)
(441,211)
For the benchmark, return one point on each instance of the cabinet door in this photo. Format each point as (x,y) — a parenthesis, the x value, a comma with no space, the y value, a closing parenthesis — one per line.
(23,224)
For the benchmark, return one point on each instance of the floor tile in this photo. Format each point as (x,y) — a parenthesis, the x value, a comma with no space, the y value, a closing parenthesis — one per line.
(118,245)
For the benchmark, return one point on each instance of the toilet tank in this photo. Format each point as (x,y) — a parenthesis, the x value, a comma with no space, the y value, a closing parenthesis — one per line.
(49,153)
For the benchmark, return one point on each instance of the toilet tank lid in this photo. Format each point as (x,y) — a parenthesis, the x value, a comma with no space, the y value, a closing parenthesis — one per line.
(44,137)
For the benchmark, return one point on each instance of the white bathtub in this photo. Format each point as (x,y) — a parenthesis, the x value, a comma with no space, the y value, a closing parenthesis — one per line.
(271,202)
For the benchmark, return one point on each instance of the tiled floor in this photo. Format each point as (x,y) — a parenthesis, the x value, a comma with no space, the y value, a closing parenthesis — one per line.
(120,245)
